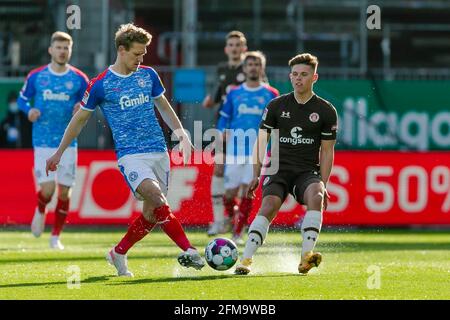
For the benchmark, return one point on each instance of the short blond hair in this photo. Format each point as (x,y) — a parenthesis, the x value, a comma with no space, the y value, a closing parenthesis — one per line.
(305,58)
(237,34)
(256,55)
(129,33)
(61,36)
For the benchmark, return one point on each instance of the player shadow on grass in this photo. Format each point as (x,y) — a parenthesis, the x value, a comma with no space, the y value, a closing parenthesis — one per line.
(91,258)
(37,284)
(231,277)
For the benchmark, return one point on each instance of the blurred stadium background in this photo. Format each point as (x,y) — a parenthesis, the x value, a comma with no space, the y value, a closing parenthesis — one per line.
(389,85)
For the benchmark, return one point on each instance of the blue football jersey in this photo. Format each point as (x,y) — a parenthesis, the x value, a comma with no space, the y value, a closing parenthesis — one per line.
(127,104)
(55,95)
(242,111)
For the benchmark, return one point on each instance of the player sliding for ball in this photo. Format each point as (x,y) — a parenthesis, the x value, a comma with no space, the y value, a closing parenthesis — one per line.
(307,126)
(126,93)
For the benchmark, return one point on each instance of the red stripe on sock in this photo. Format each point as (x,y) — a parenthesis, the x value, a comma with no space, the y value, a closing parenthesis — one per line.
(138,229)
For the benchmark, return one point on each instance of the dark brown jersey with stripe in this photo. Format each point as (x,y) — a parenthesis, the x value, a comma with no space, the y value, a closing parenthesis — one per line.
(301,128)
(229,76)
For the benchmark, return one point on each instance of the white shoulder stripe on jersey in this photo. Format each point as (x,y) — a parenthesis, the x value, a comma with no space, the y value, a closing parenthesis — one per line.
(265,125)
(224,114)
(84,108)
(23,97)
(327,134)
(160,95)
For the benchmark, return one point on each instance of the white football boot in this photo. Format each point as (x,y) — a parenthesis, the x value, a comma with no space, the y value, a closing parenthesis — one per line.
(38,223)
(120,262)
(191,258)
(55,243)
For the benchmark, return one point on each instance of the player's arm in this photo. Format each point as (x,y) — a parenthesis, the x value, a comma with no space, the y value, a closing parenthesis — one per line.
(77,123)
(170,117)
(27,92)
(326,159)
(328,141)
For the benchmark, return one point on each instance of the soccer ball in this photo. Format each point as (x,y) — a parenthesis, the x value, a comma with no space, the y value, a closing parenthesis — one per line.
(221,254)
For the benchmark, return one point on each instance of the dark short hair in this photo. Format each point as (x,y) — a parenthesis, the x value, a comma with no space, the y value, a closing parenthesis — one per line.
(305,58)
(129,33)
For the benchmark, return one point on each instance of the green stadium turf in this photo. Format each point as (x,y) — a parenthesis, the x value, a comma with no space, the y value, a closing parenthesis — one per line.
(411,264)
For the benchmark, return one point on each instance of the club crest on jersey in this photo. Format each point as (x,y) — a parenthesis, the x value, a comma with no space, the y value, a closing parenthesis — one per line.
(313,117)
(141,82)
(126,101)
(133,176)
(69,85)
(266,180)
(285,114)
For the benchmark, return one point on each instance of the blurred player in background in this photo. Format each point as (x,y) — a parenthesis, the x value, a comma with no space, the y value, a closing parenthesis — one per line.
(230,74)
(57,89)
(241,112)
(127,92)
(307,126)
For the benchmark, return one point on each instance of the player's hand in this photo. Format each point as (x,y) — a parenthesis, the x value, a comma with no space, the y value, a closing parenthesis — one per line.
(33,114)
(325,199)
(208,102)
(76,107)
(253,185)
(186,148)
(52,163)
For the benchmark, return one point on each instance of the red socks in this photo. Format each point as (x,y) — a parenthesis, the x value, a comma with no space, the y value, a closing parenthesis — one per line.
(42,202)
(229,206)
(172,227)
(244,211)
(141,227)
(138,229)
(62,208)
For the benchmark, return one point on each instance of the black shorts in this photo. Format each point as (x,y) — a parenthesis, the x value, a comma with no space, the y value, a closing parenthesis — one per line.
(284,182)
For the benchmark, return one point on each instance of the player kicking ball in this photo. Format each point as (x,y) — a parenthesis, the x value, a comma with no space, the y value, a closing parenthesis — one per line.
(127,93)
(56,90)
(306,125)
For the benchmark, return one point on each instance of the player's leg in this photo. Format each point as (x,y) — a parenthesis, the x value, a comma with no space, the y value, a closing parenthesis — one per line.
(257,232)
(217,192)
(312,197)
(46,190)
(61,211)
(65,175)
(148,176)
(232,179)
(246,205)
(230,203)
(160,213)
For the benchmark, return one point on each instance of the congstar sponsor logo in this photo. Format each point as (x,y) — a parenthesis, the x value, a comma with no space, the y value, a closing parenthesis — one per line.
(296,137)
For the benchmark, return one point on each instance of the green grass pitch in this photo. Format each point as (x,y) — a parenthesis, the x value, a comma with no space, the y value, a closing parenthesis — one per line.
(357,264)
